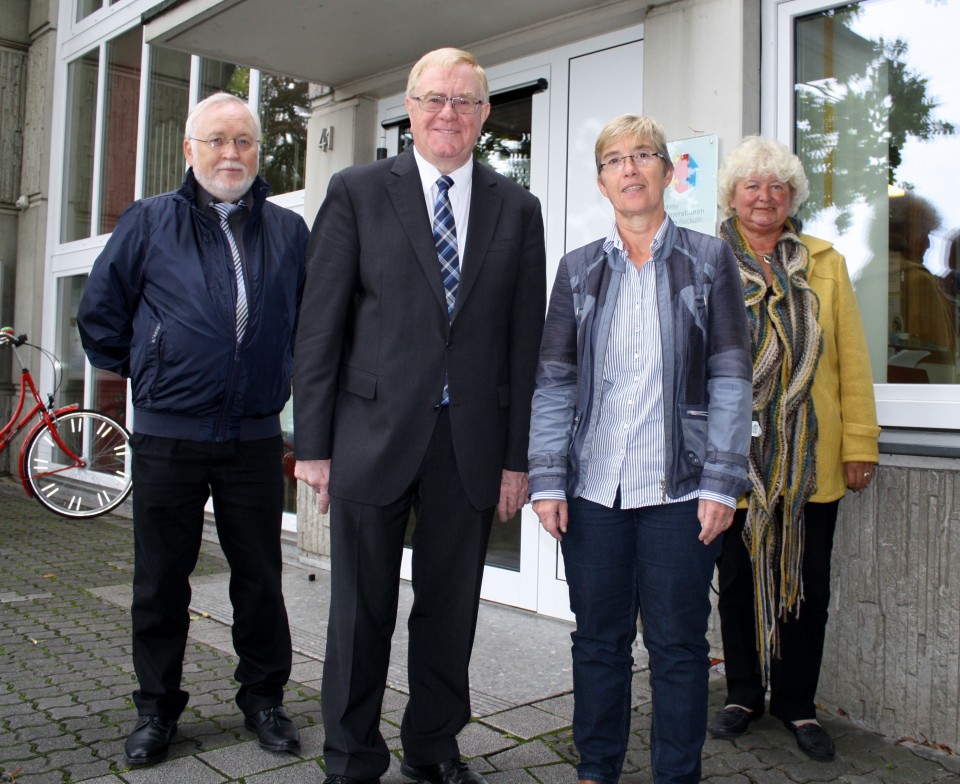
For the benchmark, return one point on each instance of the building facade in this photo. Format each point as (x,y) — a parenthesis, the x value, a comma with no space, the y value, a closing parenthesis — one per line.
(861,91)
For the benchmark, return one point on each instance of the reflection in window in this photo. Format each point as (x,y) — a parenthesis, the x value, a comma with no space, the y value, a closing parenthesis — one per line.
(216,77)
(876,118)
(504,145)
(87,7)
(78,165)
(167,104)
(284,112)
(68,348)
(121,113)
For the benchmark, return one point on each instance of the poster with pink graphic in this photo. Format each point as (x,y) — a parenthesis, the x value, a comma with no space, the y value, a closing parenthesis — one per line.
(691,199)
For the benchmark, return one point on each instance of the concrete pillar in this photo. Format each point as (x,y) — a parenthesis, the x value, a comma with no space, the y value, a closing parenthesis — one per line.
(35,177)
(339,134)
(701,68)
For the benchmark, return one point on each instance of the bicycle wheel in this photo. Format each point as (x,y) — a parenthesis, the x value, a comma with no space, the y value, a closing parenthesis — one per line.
(94,483)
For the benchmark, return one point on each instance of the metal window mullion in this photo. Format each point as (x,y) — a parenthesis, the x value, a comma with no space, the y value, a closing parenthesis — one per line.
(253,97)
(194,99)
(141,164)
(98,134)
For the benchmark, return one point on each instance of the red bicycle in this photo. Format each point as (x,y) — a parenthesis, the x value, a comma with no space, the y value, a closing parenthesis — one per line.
(74,461)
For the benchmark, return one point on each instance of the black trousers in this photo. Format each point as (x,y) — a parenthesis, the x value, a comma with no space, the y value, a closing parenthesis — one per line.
(449,548)
(795,674)
(172,480)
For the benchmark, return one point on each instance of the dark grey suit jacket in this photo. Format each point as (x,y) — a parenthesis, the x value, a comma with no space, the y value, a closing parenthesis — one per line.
(374,339)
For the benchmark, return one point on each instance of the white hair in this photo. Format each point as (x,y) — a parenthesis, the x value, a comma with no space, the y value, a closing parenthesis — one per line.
(213,100)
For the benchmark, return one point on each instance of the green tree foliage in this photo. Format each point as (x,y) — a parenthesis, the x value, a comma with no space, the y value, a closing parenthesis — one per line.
(284,112)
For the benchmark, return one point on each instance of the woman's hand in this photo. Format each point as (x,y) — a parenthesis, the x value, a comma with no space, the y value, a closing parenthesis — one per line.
(715,518)
(553,516)
(859,475)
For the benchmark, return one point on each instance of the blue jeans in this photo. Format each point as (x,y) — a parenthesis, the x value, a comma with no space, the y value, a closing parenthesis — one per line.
(620,562)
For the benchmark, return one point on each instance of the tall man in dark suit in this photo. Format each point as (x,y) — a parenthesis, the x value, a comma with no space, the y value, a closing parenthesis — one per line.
(415,360)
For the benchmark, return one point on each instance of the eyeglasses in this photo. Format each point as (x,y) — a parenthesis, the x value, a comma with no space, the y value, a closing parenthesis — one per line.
(435,103)
(243,144)
(641,159)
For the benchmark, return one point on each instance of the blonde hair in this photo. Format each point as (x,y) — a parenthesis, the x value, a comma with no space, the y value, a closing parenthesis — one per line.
(756,156)
(447,59)
(638,129)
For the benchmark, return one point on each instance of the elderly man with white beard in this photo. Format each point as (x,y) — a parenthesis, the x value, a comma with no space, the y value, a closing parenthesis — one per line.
(195,299)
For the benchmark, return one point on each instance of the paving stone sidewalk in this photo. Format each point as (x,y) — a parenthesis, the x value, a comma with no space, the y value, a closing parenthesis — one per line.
(66,678)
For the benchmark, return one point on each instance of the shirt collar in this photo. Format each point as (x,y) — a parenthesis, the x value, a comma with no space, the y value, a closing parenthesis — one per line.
(615,242)
(429,174)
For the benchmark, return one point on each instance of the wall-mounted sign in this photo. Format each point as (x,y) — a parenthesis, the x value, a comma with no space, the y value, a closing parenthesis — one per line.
(691,199)
(326,139)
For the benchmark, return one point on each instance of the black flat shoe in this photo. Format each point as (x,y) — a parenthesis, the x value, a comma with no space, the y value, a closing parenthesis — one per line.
(453,771)
(149,742)
(732,722)
(813,740)
(274,730)
(336,778)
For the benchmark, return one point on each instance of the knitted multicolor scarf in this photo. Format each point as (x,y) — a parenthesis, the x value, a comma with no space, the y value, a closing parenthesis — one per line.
(786,343)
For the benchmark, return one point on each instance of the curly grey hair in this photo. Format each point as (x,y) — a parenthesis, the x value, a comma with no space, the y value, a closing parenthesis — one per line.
(754,156)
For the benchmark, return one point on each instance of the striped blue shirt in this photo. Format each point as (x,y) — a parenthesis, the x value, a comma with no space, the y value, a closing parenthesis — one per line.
(628,450)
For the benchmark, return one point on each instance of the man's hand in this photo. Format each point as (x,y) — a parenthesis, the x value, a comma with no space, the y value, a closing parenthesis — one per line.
(316,473)
(513,494)
(715,518)
(553,516)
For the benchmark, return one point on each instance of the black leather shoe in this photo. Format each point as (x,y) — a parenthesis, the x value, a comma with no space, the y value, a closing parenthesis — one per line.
(732,722)
(149,742)
(813,740)
(336,778)
(452,771)
(275,731)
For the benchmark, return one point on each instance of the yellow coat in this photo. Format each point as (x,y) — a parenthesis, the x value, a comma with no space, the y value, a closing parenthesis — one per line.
(843,383)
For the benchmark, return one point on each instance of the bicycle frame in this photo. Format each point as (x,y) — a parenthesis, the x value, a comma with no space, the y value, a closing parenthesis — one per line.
(47,416)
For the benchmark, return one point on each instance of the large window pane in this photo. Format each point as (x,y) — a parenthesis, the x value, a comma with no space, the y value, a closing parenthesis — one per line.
(877,104)
(78,163)
(122,109)
(284,112)
(167,104)
(218,77)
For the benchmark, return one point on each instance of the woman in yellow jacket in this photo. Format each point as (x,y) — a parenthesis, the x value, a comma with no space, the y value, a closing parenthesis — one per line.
(815,435)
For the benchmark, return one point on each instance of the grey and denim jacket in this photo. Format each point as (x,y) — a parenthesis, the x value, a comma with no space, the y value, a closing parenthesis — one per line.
(707,367)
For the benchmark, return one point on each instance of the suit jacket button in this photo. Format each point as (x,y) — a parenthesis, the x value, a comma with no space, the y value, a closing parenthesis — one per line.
(449,344)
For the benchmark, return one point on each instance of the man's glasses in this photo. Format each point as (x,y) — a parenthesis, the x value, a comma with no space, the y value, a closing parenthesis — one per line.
(435,103)
(641,159)
(242,143)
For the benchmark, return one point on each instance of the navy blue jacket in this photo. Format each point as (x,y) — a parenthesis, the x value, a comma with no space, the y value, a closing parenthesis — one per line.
(159,307)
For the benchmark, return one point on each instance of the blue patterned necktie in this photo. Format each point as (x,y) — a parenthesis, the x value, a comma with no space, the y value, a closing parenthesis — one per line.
(225,210)
(445,237)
